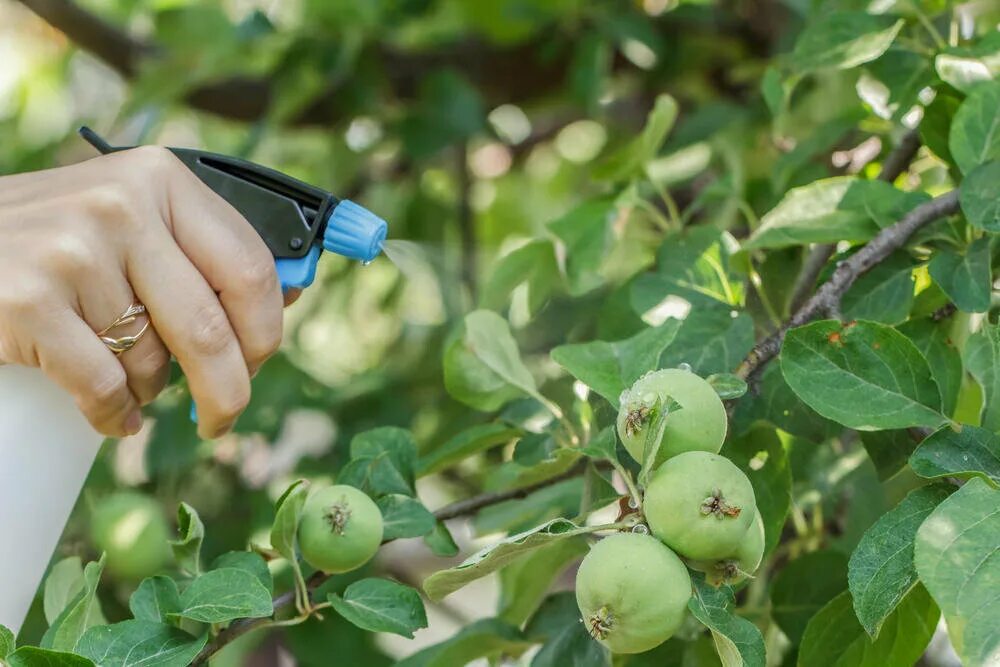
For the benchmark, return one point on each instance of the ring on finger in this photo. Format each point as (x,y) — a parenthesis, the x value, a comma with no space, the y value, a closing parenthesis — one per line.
(123,344)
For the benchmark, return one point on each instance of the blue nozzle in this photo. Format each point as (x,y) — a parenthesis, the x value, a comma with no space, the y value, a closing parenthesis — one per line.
(354,231)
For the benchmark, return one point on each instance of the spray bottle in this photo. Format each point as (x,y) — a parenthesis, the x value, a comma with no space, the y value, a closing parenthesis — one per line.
(47,448)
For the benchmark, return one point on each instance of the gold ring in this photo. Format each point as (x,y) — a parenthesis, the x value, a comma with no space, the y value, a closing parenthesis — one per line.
(125,343)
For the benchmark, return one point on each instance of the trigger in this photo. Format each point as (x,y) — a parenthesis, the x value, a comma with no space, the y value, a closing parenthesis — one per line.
(298,273)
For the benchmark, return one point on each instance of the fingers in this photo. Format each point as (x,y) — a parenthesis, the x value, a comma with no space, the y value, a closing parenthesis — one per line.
(71,354)
(147,365)
(234,260)
(194,325)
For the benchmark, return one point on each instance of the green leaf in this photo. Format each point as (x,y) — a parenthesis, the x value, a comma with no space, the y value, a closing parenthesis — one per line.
(585,231)
(380,605)
(803,587)
(483,367)
(629,160)
(966,279)
(831,210)
(29,656)
(844,40)
(835,638)
(565,639)
(711,340)
(936,125)
(470,441)
(223,595)
(974,138)
(533,265)
(778,405)
(956,558)
(888,450)
(611,368)
(249,562)
(693,264)
(525,581)
(980,197)
(494,557)
(440,541)
(760,454)
(727,385)
(6,642)
(394,444)
(968,452)
(863,375)
(156,599)
(604,445)
(881,570)
(191,533)
(78,615)
(140,644)
(933,339)
(403,516)
(965,72)
(883,294)
(488,637)
(982,360)
(288,513)
(513,475)
(737,640)
(62,585)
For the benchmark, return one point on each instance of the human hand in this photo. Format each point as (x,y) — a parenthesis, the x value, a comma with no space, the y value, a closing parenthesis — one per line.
(79,244)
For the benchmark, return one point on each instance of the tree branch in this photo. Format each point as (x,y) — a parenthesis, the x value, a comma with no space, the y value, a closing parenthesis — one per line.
(455,510)
(896,163)
(827,297)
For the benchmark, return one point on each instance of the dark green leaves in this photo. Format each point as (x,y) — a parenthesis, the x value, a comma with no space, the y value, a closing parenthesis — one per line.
(29,656)
(966,278)
(156,599)
(982,360)
(864,375)
(380,605)
(883,294)
(383,461)
(610,368)
(803,587)
(79,614)
(403,516)
(963,453)
(956,559)
(844,40)
(834,638)
(737,640)
(224,595)
(286,518)
(974,138)
(980,197)
(140,644)
(881,570)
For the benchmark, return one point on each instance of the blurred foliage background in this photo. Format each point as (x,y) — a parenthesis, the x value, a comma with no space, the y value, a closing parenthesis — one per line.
(469,125)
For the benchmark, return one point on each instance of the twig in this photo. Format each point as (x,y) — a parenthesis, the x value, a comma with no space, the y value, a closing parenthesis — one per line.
(240,627)
(895,164)
(827,297)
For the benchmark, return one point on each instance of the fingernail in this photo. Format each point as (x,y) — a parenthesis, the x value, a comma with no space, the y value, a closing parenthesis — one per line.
(134,422)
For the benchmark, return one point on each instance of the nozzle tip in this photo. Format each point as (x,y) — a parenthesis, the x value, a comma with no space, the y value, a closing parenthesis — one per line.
(354,231)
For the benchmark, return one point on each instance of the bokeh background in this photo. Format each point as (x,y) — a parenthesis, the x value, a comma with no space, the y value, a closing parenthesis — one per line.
(469,125)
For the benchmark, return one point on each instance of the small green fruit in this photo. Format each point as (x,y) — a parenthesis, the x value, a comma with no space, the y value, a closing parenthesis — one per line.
(341,529)
(699,426)
(737,567)
(131,529)
(700,505)
(632,592)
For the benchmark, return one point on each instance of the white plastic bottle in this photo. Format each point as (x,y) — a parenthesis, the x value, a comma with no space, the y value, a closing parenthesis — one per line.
(46,451)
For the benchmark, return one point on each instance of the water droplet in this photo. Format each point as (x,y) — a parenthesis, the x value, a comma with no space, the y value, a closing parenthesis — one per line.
(684,366)
(366,262)
(631,503)
(641,529)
